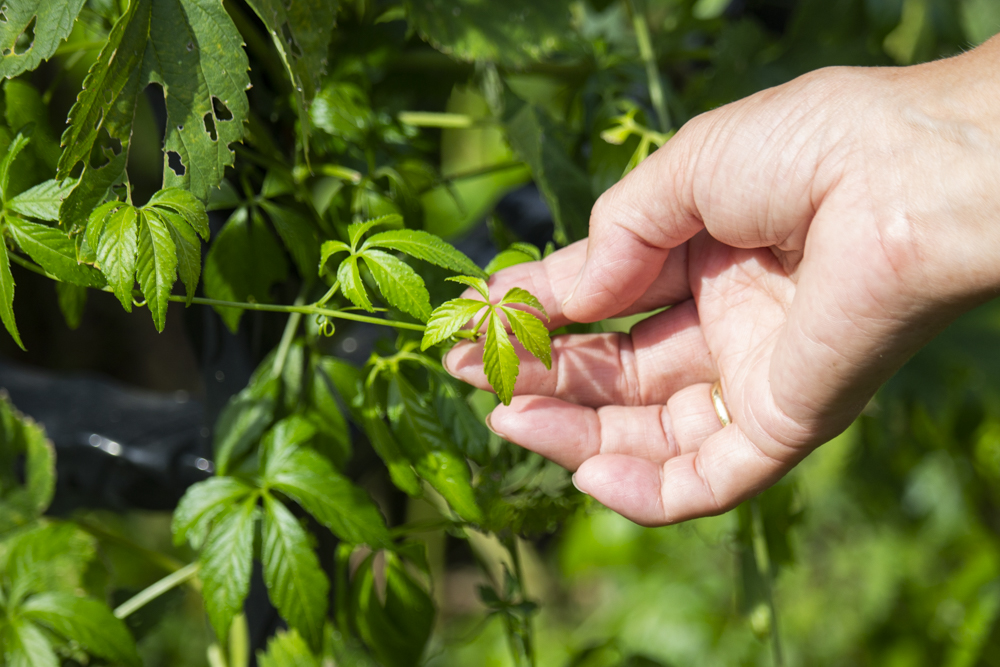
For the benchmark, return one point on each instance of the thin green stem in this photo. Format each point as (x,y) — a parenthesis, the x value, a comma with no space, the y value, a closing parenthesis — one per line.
(648,56)
(763,558)
(155,557)
(329,294)
(147,595)
(474,173)
(287,336)
(457,121)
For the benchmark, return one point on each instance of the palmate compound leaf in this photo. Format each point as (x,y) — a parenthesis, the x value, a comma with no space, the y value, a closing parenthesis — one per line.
(226,562)
(185,204)
(156,269)
(448,318)
(295,583)
(531,333)
(518,295)
(85,621)
(500,361)
(31,31)
(358,229)
(186,244)
(202,503)
(399,283)
(427,247)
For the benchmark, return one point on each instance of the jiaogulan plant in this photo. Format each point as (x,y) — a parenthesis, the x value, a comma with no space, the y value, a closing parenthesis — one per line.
(319,161)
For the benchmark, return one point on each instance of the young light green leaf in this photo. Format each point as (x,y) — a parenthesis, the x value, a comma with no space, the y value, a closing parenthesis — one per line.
(426,246)
(295,583)
(328,250)
(186,205)
(201,503)
(100,122)
(117,252)
(16,146)
(196,53)
(50,22)
(351,284)
(399,283)
(511,257)
(7,296)
(96,221)
(449,318)
(156,268)
(226,562)
(500,361)
(85,621)
(478,283)
(287,649)
(25,645)
(298,233)
(54,251)
(187,245)
(518,295)
(310,480)
(47,557)
(358,229)
(43,200)
(531,332)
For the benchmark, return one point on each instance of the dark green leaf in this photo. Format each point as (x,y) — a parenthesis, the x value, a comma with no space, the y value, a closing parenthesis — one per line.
(532,334)
(466,429)
(281,442)
(87,622)
(51,21)
(243,421)
(226,562)
(299,234)
(7,296)
(310,480)
(156,269)
(287,649)
(333,439)
(72,300)
(43,200)
(449,318)
(428,247)
(25,645)
(295,582)
(351,284)
(54,251)
(117,252)
(387,447)
(399,283)
(243,263)
(16,146)
(25,105)
(500,361)
(201,503)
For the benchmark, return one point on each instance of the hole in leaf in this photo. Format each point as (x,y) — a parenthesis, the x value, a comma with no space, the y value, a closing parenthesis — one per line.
(210,126)
(222,112)
(180,128)
(3,13)
(105,149)
(26,38)
(190,46)
(175,164)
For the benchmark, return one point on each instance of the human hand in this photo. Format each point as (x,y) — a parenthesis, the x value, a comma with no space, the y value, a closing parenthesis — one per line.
(808,239)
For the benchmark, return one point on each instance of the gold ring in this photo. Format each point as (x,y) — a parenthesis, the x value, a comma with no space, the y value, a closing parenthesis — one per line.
(719,404)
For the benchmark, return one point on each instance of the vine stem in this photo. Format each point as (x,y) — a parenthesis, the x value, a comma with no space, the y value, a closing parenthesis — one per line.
(147,595)
(287,336)
(763,558)
(648,56)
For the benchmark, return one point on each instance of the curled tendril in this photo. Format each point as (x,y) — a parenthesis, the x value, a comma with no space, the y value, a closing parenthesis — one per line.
(326,326)
(138,304)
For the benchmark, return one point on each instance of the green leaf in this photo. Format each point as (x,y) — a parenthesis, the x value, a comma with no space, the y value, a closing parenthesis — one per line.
(510,257)
(449,318)
(243,263)
(387,447)
(187,246)
(87,622)
(287,649)
(25,645)
(196,53)
(7,296)
(16,146)
(434,456)
(399,283)
(518,295)
(184,204)
(156,269)
(426,246)
(47,557)
(333,438)
(564,185)
(397,630)
(478,283)
(514,32)
(531,332)
(202,503)
(281,441)
(100,122)
(96,221)
(24,105)
(465,428)
(243,421)
(308,478)
(43,200)
(500,360)
(54,251)
(351,284)
(50,22)
(295,583)
(117,252)
(328,250)
(358,229)
(226,562)
(72,300)
(299,234)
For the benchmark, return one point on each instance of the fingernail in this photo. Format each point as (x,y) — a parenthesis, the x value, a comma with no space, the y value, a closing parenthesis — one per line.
(448,364)
(573,479)
(489,424)
(576,284)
